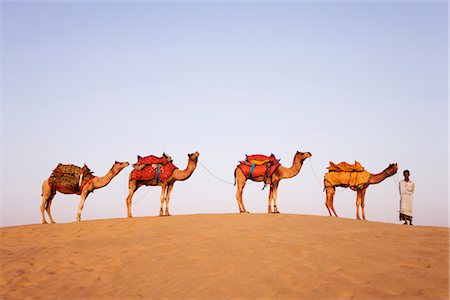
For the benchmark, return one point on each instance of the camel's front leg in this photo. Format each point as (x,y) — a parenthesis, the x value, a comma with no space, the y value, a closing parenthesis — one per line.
(169,190)
(162,200)
(358,203)
(275,194)
(363,198)
(84,195)
(132,187)
(270,199)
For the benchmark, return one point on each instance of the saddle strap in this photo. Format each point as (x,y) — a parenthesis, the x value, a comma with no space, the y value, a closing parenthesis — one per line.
(252,168)
(157,173)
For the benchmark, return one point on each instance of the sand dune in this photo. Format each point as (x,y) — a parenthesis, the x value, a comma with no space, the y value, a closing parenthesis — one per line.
(225,256)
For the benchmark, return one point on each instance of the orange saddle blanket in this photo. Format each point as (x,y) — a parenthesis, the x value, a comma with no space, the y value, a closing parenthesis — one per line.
(159,173)
(345,167)
(259,165)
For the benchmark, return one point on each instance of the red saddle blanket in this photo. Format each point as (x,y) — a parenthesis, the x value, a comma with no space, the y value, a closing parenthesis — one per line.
(259,165)
(151,159)
(160,173)
(70,179)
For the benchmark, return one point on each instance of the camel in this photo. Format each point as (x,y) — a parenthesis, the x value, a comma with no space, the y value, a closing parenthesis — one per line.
(360,191)
(48,192)
(279,174)
(166,186)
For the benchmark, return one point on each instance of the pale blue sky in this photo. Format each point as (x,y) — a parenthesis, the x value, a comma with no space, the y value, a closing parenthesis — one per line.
(98,82)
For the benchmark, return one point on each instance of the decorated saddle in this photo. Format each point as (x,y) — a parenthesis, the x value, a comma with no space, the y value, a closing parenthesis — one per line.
(151,159)
(346,175)
(152,167)
(70,179)
(259,165)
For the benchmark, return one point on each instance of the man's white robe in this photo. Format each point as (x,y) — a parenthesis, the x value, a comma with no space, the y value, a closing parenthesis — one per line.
(406,197)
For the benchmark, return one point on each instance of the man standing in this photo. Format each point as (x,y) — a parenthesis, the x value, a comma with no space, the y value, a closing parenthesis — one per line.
(406,187)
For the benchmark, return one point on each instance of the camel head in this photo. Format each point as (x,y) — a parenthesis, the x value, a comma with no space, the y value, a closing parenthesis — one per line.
(194,157)
(118,166)
(392,169)
(303,155)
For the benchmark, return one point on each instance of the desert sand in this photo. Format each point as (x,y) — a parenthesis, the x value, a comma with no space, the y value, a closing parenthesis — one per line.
(225,256)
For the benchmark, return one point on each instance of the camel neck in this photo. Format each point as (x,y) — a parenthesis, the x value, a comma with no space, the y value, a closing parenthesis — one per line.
(377,178)
(104,180)
(186,173)
(293,170)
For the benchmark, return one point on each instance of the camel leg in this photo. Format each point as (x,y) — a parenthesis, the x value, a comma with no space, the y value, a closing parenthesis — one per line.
(46,195)
(330,192)
(49,203)
(84,195)
(358,203)
(169,190)
(270,199)
(240,181)
(132,187)
(162,200)
(275,195)
(363,198)
(240,189)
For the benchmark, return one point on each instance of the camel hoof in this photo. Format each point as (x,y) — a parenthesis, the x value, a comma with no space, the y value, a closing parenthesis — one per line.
(44,222)
(276,212)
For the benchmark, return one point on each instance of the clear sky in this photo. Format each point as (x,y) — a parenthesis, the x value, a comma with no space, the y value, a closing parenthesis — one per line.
(98,82)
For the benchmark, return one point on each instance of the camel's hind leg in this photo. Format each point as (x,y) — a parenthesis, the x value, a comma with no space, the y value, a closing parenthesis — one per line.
(49,203)
(330,192)
(47,195)
(132,187)
(240,181)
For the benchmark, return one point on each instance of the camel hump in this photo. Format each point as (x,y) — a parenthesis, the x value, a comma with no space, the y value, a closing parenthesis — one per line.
(260,159)
(345,167)
(152,160)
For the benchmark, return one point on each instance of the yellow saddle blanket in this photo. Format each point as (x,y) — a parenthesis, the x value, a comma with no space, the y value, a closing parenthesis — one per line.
(346,175)
(347,179)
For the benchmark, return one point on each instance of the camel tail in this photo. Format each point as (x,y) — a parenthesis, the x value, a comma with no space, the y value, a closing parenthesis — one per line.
(235,177)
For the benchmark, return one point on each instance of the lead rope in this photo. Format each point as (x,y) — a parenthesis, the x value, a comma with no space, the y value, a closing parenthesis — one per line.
(212,174)
(125,181)
(318,180)
(218,178)
(140,198)
(314,172)
(395,180)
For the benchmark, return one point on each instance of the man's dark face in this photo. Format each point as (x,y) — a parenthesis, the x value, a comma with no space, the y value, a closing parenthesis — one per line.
(406,174)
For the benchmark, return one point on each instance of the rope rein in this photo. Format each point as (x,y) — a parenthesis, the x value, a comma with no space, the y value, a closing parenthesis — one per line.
(212,174)
(314,172)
